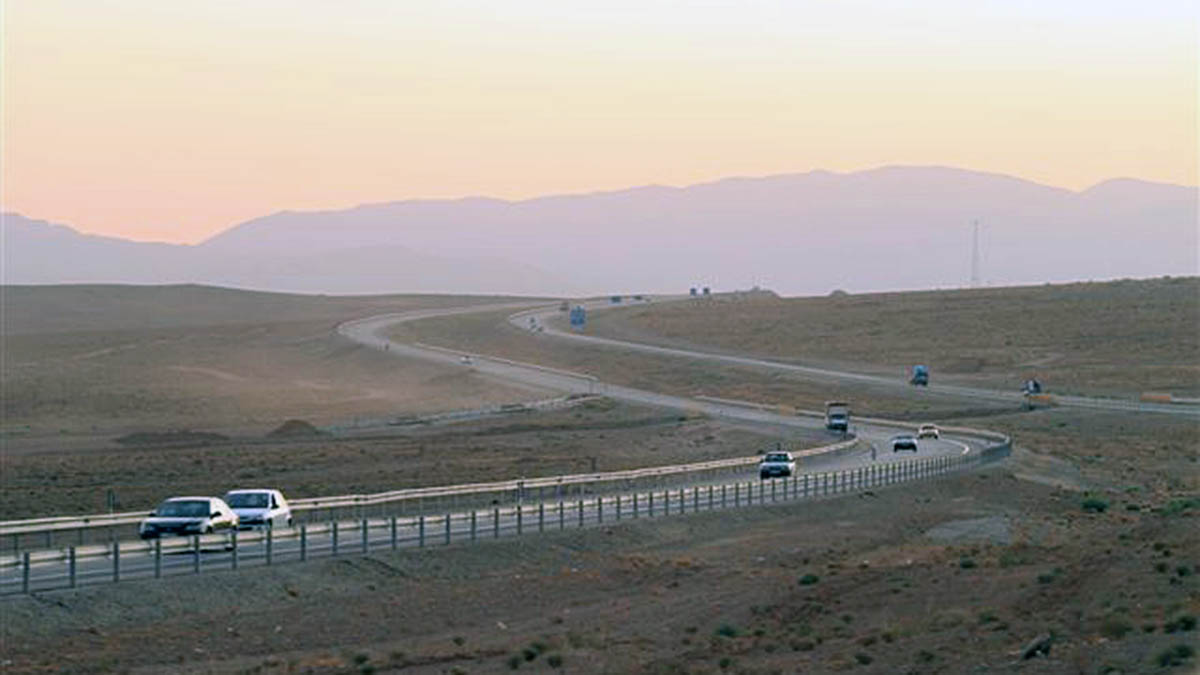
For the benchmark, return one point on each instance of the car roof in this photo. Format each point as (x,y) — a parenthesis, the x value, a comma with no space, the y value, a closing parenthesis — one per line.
(187,499)
(250,491)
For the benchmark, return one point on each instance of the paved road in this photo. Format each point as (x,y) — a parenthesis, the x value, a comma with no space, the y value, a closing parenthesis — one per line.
(181,556)
(819,475)
(372,332)
(543,317)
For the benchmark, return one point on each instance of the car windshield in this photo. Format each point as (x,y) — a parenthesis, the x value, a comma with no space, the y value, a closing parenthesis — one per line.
(252,500)
(778,457)
(190,508)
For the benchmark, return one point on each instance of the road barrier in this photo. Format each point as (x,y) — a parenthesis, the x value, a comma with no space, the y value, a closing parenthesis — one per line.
(46,533)
(122,561)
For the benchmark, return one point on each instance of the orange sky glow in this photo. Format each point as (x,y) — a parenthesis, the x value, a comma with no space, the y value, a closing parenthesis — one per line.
(173,121)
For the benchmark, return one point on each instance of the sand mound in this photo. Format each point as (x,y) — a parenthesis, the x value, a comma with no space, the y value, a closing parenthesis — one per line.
(294,428)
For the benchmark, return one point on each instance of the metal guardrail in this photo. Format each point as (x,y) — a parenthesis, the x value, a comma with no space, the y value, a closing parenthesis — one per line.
(121,561)
(359,504)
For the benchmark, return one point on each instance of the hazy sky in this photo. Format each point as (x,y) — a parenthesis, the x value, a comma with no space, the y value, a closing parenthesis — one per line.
(174,120)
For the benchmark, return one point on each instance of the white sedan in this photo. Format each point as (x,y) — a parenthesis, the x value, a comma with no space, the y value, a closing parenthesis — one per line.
(259,507)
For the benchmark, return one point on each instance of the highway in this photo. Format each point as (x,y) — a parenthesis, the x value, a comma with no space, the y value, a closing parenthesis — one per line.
(180,556)
(866,463)
(544,317)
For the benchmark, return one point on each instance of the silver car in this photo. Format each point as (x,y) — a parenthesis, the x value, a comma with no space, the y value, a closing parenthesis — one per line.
(188,516)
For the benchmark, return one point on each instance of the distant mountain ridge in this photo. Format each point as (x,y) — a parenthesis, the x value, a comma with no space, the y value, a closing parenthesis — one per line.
(887,228)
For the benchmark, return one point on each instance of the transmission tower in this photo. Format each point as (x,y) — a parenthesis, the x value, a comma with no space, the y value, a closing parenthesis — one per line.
(975,281)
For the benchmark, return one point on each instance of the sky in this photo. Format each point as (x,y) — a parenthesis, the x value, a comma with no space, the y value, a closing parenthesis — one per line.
(172,121)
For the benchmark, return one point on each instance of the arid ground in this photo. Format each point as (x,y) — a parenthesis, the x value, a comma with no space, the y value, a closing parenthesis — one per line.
(1083,541)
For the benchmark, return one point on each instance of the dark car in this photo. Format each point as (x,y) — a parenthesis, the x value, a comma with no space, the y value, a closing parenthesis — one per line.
(188,516)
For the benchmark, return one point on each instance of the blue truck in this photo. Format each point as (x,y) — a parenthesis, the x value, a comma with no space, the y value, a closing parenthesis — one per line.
(920,376)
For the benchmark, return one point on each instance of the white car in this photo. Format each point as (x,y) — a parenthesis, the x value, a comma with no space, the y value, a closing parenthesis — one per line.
(904,442)
(776,464)
(929,431)
(187,516)
(259,507)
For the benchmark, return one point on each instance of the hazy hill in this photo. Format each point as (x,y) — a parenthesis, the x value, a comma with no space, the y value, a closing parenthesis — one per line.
(888,228)
(36,252)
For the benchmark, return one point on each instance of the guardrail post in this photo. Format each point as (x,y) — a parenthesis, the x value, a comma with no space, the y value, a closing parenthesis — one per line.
(496,522)
(695,499)
(270,545)
(650,502)
(580,505)
(473,529)
(25,572)
(158,558)
(447,529)
(196,553)
(233,553)
(635,505)
(618,507)
(737,495)
(71,566)
(421,531)
(666,502)
(396,538)
(49,538)
(303,542)
(710,497)
(520,519)
(366,536)
(541,516)
(724,495)
(600,510)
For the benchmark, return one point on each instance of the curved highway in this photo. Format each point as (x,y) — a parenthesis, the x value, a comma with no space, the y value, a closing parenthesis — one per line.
(543,317)
(371,331)
(862,465)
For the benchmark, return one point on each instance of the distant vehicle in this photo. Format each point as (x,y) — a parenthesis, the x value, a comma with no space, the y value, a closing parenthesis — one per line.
(1031,387)
(837,416)
(904,442)
(466,360)
(776,464)
(187,516)
(259,508)
(929,431)
(577,317)
(920,376)
(564,306)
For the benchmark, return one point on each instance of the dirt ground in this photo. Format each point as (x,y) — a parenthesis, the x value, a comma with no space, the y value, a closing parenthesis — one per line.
(1084,540)
(886,582)
(95,361)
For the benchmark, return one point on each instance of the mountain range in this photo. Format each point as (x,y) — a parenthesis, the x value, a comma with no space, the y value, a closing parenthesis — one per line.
(880,229)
